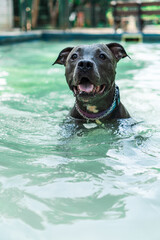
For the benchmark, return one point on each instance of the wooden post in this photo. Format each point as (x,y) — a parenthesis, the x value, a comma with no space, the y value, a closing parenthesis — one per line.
(140,24)
(53,10)
(35,10)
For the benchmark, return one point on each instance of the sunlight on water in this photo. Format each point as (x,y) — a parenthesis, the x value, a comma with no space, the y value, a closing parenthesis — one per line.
(63,181)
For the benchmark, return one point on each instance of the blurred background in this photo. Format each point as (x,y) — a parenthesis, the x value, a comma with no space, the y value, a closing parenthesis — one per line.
(77,14)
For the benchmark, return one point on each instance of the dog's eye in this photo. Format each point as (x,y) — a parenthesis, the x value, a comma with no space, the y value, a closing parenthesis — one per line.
(102,56)
(74,56)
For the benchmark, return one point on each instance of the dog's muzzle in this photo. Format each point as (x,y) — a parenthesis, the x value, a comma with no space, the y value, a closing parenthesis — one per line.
(86,80)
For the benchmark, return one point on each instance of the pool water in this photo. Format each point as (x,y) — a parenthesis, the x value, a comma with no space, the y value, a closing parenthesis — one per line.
(63,181)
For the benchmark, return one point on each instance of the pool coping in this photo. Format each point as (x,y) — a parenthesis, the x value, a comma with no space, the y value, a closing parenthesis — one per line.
(16,37)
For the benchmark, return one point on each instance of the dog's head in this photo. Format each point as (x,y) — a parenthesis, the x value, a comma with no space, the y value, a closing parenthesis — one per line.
(90,69)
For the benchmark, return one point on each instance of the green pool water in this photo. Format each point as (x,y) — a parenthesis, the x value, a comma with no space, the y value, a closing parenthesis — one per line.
(63,182)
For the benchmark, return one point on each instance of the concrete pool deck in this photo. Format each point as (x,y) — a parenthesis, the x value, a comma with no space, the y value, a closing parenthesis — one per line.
(75,34)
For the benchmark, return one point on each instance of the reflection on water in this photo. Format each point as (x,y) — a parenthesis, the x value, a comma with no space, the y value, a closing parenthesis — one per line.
(58,177)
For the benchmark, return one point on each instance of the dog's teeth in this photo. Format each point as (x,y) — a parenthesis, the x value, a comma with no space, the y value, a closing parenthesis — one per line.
(103,87)
(97,89)
(75,90)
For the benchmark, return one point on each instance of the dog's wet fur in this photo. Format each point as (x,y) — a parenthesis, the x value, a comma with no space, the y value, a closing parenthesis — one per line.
(90,73)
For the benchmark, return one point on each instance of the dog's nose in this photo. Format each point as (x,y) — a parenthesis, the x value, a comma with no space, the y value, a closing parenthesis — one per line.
(85,65)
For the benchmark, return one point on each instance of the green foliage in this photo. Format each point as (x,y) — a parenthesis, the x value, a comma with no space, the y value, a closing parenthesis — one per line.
(151,8)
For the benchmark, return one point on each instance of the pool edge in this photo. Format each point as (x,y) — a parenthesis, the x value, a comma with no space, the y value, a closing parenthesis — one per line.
(11,37)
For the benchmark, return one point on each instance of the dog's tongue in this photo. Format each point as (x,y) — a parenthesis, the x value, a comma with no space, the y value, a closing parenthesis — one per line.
(86,87)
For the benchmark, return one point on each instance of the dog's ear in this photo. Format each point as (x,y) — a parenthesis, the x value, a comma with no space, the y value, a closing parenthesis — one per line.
(63,56)
(117,50)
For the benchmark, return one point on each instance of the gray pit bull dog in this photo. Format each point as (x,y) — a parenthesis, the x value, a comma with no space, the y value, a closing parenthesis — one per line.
(90,73)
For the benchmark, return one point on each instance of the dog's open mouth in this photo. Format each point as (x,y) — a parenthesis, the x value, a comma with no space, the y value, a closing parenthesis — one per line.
(86,88)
